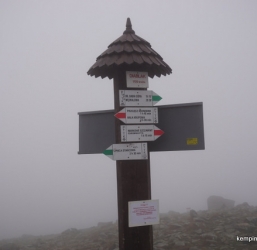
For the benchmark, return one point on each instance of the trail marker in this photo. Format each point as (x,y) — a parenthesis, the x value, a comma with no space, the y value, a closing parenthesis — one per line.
(132,115)
(131,151)
(138,98)
(140,133)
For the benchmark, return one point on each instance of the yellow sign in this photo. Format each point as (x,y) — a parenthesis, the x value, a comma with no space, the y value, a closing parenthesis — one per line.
(192,141)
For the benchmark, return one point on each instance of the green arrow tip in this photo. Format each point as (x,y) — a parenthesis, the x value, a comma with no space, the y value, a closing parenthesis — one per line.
(108,152)
(156,98)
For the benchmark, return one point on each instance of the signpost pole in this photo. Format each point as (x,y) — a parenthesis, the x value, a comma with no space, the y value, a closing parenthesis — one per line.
(133,184)
(129,60)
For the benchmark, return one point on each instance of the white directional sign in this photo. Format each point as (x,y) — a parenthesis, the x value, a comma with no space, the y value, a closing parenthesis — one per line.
(143,213)
(137,79)
(140,133)
(130,151)
(132,115)
(138,98)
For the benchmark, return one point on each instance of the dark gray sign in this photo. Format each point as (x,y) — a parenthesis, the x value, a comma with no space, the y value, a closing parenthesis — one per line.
(182,125)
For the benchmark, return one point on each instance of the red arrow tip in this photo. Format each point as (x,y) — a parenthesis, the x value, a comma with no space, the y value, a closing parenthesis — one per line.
(158,132)
(120,115)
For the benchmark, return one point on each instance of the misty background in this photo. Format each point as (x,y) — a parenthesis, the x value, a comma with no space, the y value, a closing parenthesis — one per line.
(46,49)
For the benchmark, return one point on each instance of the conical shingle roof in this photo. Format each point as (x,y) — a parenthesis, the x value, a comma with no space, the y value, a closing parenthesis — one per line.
(130,52)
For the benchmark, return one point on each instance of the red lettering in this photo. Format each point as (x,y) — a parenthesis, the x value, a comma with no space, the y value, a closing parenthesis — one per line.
(136,76)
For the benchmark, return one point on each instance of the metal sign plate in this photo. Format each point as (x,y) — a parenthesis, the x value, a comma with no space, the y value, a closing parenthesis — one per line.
(132,115)
(138,98)
(143,213)
(130,151)
(137,79)
(139,133)
(183,125)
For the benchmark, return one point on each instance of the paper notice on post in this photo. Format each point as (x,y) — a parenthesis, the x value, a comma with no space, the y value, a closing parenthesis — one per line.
(143,213)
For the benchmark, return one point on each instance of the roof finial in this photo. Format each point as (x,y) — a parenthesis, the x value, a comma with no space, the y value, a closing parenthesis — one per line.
(129,29)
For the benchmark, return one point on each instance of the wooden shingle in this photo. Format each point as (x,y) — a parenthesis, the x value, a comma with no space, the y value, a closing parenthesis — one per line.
(131,52)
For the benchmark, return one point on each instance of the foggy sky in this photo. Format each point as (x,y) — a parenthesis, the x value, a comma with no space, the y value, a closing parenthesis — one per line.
(46,49)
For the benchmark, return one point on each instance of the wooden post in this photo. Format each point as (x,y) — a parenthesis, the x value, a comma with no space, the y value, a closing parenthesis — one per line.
(130,53)
(133,184)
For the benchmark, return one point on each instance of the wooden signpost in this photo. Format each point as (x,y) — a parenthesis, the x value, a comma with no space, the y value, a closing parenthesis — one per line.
(130,61)
(133,179)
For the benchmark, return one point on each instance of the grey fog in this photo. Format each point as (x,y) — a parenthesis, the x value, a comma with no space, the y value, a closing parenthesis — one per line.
(46,49)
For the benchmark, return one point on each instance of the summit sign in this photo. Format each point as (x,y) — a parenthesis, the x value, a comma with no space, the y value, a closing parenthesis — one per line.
(137,79)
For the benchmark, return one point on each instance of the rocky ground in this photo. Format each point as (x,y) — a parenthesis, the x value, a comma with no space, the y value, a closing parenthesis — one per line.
(200,230)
